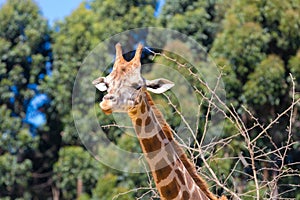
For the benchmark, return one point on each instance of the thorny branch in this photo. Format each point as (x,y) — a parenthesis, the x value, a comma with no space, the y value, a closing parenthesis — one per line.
(256,155)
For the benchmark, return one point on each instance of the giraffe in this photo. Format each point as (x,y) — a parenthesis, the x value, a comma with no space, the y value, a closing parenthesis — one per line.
(174,175)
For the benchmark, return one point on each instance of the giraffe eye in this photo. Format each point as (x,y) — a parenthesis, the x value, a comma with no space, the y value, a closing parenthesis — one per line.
(136,86)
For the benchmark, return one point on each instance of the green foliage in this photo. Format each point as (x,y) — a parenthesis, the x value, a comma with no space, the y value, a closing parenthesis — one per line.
(17,17)
(8,125)
(247,48)
(257,49)
(196,18)
(243,47)
(266,84)
(84,196)
(108,187)
(129,142)
(72,42)
(192,22)
(252,192)
(240,46)
(117,16)
(14,173)
(283,21)
(23,32)
(75,163)
(294,67)
(14,138)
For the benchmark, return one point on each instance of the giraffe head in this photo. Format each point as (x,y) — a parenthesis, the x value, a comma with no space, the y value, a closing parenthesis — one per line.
(125,85)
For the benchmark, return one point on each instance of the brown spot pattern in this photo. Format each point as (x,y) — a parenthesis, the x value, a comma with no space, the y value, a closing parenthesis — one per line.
(162,135)
(180,176)
(171,190)
(171,154)
(138,125)
(148,126)
(138,122)
(147,121)
(185,195)
(162,170)
(143,107)
(151,144)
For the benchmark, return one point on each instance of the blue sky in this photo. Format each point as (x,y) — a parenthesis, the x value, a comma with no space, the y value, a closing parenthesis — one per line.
(55,9)
(58,9)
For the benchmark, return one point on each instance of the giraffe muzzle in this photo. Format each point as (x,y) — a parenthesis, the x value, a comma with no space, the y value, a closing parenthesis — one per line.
(106,107)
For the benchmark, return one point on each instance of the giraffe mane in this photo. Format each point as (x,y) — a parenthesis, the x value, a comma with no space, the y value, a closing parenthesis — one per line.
(182,156)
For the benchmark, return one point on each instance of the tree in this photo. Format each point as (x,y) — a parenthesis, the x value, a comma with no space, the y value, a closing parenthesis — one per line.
(196,18)
(15,176)
(73,40)
(25,58)
(78,34)
(75,170)
(257,50)
(71,43)
(117,16)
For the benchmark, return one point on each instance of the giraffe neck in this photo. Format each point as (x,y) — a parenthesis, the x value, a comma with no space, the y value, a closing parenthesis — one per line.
(174,175)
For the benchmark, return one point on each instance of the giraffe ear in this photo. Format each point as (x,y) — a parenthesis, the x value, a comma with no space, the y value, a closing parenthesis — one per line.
(159,86)
(100,84)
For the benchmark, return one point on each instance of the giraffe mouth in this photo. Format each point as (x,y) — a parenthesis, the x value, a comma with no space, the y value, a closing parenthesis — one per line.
(105,107)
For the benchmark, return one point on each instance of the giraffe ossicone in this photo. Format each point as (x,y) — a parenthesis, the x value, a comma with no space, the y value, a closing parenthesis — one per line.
(127,91)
